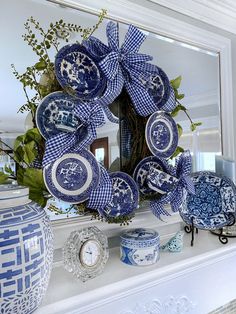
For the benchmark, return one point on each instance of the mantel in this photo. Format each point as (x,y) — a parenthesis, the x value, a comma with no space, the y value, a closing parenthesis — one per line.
(176,275)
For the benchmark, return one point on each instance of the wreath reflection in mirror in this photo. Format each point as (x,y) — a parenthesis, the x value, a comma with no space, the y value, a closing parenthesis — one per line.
(73,96)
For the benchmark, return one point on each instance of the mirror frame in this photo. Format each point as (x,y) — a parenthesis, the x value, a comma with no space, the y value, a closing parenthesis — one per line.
(151,21)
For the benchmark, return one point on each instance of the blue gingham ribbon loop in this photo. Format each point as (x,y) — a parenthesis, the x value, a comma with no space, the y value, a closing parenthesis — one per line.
(124,67)
(182,171)
(102,195)
(91,116)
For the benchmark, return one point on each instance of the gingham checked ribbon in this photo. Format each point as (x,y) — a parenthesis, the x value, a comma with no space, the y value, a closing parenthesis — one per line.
(124,66)
(182,171)
(102,195)
(91,116)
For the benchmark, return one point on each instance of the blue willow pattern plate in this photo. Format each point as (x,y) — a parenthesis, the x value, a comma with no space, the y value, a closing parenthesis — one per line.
(125,195)
(72,177)
(78,73)
(161,134)
(55,114)
(142,170)
(158,86)
(213,204)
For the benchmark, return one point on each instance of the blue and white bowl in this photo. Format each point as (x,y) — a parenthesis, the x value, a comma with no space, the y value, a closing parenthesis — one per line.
(140,247)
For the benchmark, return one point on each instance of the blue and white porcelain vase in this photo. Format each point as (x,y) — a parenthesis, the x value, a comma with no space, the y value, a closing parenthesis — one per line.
(26,251)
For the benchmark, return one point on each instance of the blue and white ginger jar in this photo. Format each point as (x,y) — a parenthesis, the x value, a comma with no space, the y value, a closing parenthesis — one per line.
(140,247)
(26,251)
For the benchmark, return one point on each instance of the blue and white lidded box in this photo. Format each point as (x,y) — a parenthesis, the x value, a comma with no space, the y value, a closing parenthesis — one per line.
(140,247)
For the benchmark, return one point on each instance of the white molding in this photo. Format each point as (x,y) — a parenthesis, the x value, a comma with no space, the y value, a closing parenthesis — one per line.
(221,14)
(170,305)
(141,282)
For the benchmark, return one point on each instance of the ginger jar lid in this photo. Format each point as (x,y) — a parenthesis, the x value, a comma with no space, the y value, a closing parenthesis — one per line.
(140,236)
(10,191)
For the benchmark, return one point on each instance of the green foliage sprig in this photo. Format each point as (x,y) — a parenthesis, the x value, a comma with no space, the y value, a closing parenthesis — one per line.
(175,83)
(121,220)
(41,41)
(40,78)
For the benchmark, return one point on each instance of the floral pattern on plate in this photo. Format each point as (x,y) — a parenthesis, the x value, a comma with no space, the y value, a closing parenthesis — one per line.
(72,177)
(158,86)
(214,203)
(161,134)
(55,114)
(142,170)
(125,195)
(78,72)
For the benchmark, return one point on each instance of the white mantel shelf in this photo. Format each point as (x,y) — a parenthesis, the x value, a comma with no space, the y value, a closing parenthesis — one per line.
(120,284)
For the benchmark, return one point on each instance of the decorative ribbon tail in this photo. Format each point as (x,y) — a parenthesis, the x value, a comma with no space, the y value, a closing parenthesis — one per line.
(113,36)
(113,90)
(170,103)
(110,116)
(184,164)
(133,39)
(177,200)
(188,184)
(158,210)
(110,65)
(96,47)
(102,195)
(58,145)
(142,101)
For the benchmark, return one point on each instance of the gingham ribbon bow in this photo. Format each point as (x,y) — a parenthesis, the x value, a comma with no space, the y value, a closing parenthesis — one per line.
(91,116)
(102,195)
(124,67)
(182,171)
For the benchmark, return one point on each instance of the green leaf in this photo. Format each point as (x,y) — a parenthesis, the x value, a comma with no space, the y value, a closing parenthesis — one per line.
(19,154)
(180,96)
(193,127)
(198,123)
(18,141)
(8,170)
(41,65)
(175,112)
(30,152)
(175,83)
(33,135)
(180,129)
(177,151)
(20,175)
(3,178)
(33,178)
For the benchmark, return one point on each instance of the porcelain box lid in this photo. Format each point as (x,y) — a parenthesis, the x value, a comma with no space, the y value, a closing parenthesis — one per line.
(140,236)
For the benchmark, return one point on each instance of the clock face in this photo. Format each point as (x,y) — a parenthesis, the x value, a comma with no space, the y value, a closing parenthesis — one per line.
(90,253)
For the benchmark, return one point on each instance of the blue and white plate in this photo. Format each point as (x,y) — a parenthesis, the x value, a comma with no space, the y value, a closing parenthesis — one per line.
(55,114)
(214,204)
(142,170)
(161,134)
(78,72)
(72,177)
(125,195)
(158,86)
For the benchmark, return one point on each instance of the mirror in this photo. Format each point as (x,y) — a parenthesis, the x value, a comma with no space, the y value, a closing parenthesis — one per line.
(198,67)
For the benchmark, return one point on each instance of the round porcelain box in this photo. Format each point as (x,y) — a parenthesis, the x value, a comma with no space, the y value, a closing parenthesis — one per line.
(140,247)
